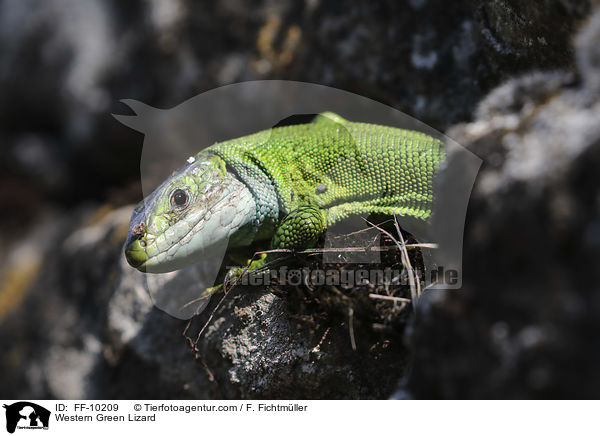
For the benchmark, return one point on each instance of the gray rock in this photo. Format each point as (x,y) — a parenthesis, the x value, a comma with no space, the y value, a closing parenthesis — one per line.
(81,325)
(252,347)
(65,64)
(525,324)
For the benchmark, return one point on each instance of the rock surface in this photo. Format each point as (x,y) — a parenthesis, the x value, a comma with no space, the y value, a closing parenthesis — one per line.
(75,321)
(526,323)
(253,347)
(67,63)
(110,341)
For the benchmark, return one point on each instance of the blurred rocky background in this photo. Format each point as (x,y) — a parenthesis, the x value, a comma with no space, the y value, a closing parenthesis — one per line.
(518,83)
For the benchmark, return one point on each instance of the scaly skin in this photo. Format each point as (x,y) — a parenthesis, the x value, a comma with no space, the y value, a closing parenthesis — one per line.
(286,184)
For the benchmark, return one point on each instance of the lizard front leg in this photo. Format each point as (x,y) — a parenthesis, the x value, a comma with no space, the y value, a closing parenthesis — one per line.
(301,228)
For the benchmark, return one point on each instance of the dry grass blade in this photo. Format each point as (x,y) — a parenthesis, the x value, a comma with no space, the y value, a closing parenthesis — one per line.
(317,347)
(226,292)
(389,298)
(415,285)
(348,249)
(351,328)
(415,288)
(212,314)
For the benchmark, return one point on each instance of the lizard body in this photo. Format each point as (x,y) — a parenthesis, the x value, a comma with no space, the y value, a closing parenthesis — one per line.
(287,184)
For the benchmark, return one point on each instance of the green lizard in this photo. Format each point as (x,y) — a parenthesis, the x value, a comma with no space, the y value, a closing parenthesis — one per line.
(287,185)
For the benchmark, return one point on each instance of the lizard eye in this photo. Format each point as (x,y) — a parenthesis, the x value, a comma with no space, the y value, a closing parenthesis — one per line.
(179,198)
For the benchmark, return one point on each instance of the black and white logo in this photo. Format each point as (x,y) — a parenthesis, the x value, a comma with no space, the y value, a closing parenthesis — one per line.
(26,415)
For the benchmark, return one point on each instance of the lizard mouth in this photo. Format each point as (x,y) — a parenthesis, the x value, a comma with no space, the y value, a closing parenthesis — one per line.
(135,253)
(135,244)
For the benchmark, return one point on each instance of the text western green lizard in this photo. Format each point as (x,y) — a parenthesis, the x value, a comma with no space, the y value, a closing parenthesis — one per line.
(286,184)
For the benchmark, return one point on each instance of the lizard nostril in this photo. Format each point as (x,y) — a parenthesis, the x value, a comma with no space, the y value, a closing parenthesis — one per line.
(139,229)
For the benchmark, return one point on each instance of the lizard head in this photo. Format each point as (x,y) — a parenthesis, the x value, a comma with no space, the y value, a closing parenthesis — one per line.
(188,216)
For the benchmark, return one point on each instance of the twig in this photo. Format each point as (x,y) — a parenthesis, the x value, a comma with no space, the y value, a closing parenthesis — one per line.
(212,314)
(405,259)
(390,298)
(411,275)
(318,346)
(211,377)
(351,328)
(187,327)
(349,249)
(195,300)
